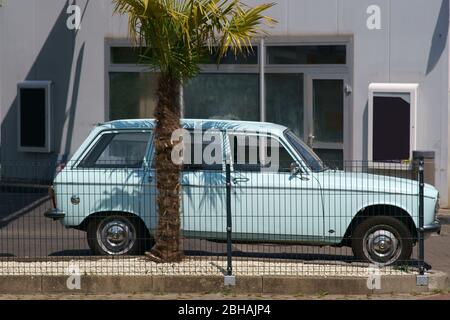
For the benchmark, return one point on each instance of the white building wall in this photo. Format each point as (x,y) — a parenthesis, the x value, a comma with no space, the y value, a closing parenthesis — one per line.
(411,46)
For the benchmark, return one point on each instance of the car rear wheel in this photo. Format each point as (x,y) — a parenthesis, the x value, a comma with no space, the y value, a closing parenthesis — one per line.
(382,241)
(116,235)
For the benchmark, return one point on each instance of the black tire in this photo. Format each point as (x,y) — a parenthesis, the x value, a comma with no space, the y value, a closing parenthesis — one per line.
(373,241)
(134,233)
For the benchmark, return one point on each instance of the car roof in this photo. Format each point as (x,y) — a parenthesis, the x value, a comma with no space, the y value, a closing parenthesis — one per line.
(205,124)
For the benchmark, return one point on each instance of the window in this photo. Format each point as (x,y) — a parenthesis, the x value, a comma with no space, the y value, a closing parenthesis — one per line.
(132,95)
(328,120)
(392,122)
(254,153)
(126,55)
(208,96)
(118,150)
(34,116)
(275,82)
(133,55)
(250,56)
(202,152)
(307,54)
(222,96)
(284,100)
(328,110)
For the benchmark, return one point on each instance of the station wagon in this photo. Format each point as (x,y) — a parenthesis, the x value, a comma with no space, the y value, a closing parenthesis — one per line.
(108,189)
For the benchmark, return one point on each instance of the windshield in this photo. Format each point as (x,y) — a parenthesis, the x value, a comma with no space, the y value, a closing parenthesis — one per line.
(310,158)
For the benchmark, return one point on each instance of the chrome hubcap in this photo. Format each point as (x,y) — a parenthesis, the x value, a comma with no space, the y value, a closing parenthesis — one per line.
(381,246)
(116,236)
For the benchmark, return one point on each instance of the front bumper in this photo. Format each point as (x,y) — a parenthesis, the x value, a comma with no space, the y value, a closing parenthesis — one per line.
(434,227)
(55,214)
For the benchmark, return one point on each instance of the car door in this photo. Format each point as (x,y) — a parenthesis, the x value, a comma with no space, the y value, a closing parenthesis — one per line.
(269,203)
(203,185)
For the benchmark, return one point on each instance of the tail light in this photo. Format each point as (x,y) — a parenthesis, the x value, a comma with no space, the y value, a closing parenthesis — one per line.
(60,167)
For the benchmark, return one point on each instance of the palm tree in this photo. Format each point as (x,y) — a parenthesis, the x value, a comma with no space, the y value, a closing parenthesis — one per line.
(175,36)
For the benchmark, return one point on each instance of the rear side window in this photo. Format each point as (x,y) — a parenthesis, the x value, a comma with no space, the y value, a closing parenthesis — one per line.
(118,150)
(202,151)
(203,154)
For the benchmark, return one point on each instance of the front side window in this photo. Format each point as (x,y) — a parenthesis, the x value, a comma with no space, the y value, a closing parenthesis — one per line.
(310,158)
(118,150)
(258,153)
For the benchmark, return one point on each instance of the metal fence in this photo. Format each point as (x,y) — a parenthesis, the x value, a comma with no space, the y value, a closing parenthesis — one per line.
(235,220)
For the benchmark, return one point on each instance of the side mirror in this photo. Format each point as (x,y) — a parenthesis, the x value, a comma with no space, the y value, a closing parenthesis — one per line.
(295,168)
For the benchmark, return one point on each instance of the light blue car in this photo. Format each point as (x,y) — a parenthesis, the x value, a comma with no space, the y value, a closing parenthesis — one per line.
(108,189)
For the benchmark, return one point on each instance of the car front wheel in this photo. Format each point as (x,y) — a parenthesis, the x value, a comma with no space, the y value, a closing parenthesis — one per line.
(116,235)
(382,241)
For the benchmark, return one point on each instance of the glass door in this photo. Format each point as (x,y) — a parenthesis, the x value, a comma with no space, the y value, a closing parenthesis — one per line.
(285,100)
(326,125)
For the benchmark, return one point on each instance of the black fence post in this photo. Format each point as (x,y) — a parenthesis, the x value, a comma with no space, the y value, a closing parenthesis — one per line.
(229,279)
(420,157)
(421,219)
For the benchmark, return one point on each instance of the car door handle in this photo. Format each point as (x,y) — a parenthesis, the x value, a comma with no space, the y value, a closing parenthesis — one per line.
(237,180)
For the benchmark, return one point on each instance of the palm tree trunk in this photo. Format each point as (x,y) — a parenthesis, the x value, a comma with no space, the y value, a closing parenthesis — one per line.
(167,246)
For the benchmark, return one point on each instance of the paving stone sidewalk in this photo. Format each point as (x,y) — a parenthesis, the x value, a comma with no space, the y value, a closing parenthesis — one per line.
(227,296)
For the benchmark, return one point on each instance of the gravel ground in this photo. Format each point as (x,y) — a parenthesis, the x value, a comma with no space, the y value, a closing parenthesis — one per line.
(141,266)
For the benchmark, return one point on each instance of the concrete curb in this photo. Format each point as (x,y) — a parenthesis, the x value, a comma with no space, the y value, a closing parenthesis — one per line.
(214,284)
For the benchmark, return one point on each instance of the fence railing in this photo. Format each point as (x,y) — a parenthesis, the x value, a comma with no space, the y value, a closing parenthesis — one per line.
(235,220)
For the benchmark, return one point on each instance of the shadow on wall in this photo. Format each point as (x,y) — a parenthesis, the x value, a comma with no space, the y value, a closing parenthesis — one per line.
(439,40)
(365,131)
(54,62)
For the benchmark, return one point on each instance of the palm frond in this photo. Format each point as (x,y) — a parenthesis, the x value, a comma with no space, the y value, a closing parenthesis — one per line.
(179,34)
